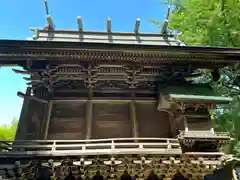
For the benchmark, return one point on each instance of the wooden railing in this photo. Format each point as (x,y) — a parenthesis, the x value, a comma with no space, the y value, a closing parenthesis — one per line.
(90,147)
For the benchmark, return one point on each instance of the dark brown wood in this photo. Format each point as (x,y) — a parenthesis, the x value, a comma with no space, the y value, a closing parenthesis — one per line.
(111,120)
(48,118)
(152,123)
(22,124)
(89,114)
(133,118)
(68,121)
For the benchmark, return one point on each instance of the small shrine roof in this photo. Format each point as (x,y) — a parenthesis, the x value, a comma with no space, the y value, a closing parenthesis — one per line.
(202,98)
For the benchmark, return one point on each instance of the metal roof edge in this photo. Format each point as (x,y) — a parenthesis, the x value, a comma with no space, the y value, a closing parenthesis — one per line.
(196,97)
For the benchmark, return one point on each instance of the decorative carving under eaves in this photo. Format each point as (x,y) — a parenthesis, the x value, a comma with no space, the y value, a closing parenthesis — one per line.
(132,76)
(53,76)
(113,85)
(90,76)
(187,143)
(182,106)
(191,167)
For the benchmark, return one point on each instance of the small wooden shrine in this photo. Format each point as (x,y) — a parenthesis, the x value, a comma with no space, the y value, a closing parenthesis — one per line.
(115,105)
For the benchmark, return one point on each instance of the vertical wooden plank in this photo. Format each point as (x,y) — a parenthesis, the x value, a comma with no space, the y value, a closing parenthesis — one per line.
(133,118)
(89,110)
(48,119)
(23,120)
(43,123)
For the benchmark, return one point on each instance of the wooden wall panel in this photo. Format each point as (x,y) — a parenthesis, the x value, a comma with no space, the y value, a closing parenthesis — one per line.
(34,118)
(67,121)
(151,122)
(111,121)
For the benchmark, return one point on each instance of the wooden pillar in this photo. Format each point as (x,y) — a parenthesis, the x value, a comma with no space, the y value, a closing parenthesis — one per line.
(89,110)
(43,123)
(48,119)
(23,120)
(133,119)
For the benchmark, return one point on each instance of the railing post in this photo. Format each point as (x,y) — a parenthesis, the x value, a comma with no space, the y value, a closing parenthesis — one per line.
(83,148)
(112,145)
(54,146)
(169,144)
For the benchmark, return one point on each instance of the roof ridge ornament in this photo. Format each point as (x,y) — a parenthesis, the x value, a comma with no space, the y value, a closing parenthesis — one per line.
(165,24)
(46,7)
(48,17)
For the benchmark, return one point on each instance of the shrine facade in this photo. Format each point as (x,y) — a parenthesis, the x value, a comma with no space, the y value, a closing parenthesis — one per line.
(115,105)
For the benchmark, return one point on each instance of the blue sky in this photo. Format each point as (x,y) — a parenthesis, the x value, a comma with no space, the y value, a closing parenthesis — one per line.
(18,15)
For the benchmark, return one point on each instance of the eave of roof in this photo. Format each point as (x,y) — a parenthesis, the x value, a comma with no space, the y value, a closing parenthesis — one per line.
(17,50)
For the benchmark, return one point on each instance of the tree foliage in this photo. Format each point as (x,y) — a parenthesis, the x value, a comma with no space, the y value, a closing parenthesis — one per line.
(7,132)
(207,22)
(213,23)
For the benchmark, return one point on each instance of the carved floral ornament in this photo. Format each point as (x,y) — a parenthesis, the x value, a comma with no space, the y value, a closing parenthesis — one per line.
(193,168)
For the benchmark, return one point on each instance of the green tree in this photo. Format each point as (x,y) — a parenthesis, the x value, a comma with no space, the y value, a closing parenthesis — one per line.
(7,132)
(213,23)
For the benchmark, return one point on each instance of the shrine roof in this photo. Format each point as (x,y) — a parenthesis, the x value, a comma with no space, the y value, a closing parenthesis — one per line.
(51,44)
(17,52)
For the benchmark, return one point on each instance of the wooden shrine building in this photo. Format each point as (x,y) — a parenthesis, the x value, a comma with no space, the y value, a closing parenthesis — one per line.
(115,105)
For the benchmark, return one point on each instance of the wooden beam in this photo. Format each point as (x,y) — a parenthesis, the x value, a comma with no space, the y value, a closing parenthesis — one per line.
(105,100)
(22,95)
(133,119)
(48,119)
(89,110)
